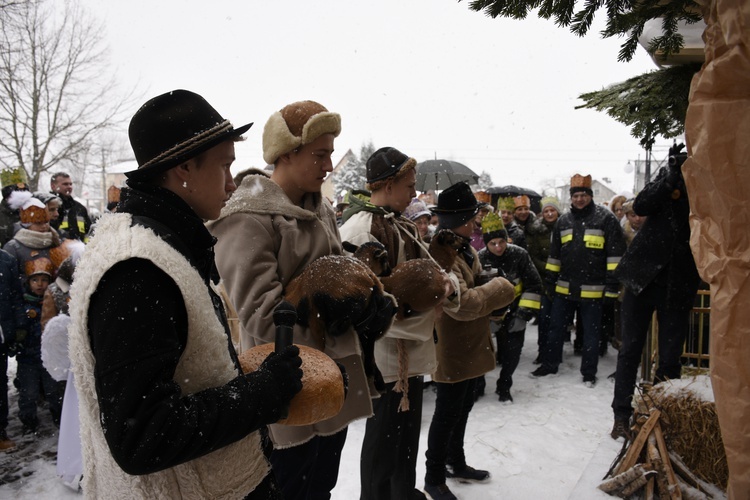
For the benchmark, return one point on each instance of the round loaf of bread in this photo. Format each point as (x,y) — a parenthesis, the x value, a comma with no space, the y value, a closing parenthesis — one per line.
(322,394)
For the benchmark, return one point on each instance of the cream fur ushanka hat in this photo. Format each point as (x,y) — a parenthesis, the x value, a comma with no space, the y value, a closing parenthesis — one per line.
(295,125)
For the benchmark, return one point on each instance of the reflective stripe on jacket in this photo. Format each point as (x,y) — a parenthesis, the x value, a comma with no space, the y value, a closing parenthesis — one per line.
(586,247)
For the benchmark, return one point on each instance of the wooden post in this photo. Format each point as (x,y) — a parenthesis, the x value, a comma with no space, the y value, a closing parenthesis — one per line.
(674,492)
(631,457)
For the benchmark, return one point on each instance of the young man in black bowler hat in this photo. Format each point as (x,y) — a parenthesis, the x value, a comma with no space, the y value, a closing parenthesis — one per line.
(407,352)
(464,349)
(165,411)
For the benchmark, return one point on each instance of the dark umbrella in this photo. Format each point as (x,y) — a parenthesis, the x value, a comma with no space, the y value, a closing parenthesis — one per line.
(511,190)
(441,174)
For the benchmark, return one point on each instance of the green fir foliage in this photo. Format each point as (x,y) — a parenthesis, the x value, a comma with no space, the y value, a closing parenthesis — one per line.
(652,104)
(625,18)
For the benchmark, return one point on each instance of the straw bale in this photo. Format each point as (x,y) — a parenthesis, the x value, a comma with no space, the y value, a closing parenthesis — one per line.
(691,429)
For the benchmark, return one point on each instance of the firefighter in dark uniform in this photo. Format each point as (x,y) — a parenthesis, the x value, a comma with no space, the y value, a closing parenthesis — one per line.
(74,221)
(587,244)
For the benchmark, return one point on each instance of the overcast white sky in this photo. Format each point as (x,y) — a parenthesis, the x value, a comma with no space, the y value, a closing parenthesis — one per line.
(430,77)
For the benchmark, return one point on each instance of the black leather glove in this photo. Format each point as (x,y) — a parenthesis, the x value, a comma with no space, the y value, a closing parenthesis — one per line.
(282,374)
(376,318)
(525,313)
(498,313)
(675,161)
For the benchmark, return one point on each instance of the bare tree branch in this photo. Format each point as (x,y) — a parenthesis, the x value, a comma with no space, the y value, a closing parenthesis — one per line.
(54,103)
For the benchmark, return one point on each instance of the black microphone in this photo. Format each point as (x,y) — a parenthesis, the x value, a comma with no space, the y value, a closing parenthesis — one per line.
(284,317)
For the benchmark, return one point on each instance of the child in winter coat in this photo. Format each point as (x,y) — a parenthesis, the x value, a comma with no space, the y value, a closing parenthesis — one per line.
(35,238)
(515,264)
(30,374)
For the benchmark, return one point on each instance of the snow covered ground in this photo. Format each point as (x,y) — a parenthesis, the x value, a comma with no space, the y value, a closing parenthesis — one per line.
(552,442)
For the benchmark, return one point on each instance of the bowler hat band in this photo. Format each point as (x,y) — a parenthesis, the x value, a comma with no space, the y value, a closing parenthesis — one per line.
(190,144)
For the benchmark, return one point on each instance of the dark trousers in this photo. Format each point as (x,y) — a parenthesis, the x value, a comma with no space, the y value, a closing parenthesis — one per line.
(266,490)
(511,354)
(543,324)
(560,317)
(445,441)
(608,324)
(309,471)
(388,464)
(3,391)
(636,314)
(29,378)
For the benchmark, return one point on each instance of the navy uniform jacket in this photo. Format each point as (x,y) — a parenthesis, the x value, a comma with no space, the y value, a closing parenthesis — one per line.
(587,245)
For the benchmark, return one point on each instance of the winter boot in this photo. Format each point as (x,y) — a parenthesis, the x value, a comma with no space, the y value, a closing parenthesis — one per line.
(503,395)
(5,442)
(467,474)
(543,371)
(439,492)
(621,429)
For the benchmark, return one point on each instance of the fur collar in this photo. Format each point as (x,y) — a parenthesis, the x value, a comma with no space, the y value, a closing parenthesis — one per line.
(258,194)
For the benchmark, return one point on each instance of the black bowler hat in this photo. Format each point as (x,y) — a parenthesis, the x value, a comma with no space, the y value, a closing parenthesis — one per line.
(174,127)
(456,205)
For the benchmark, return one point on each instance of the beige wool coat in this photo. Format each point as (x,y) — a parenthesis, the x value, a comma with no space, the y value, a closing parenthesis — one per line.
(264,242)
(464,347)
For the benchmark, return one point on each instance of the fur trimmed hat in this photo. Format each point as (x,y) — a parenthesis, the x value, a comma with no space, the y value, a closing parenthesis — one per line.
(386,163)
(493,227)
(30,209)
(579,183)
(19,186)
(295,125)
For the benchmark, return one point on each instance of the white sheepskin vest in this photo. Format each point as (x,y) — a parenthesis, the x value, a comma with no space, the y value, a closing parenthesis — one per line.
(230,472)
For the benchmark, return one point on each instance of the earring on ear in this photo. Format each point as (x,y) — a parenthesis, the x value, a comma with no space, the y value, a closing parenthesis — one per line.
(184,184)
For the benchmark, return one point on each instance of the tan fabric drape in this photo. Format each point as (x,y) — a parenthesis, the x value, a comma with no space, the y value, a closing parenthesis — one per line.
(718,180)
